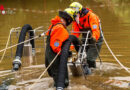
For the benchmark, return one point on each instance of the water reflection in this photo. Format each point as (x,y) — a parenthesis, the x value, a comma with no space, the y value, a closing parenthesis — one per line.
(114,15)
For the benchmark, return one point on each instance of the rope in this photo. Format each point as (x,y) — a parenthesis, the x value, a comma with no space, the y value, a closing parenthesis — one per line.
(8,42)
(114,54)
(5,71)
(32,72)
(23,42)
(10,72)
(18,44)
(6,46)
(44,71)
(9,39)
(26,40)
(7,74)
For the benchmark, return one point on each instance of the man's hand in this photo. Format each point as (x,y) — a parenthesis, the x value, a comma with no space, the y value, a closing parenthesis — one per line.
(70,54)
(92,40)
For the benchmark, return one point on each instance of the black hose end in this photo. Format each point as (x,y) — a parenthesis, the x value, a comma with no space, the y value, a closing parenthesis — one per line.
(16,65)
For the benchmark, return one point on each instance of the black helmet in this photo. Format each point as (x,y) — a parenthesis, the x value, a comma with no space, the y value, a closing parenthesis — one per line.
(68,15)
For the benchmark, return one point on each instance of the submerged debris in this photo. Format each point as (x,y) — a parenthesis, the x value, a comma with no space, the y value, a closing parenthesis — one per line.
(122,82)
(6,83)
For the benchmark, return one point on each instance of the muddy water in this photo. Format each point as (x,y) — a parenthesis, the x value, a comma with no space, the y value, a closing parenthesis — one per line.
(114,16)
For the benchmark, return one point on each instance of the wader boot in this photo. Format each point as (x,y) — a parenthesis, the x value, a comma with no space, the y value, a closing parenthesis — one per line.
(49,56)
(92,52)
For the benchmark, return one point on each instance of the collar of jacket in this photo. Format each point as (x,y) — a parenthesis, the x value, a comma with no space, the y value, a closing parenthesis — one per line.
(83,12)
(56,21)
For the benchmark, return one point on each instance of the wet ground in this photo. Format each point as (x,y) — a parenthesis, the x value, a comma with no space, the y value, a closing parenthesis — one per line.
(98,80)
(115,20)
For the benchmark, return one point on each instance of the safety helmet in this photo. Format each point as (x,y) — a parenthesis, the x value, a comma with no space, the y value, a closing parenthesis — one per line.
(68,15)
(76,6)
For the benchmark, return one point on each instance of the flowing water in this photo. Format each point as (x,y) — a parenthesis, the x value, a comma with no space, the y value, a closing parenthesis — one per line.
(114,15)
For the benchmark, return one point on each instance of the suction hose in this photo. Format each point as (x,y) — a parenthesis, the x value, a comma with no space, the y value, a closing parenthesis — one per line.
(17,61)
(62,75)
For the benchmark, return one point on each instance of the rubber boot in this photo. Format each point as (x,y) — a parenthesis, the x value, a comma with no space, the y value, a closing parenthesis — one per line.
(91,64)
(86,69)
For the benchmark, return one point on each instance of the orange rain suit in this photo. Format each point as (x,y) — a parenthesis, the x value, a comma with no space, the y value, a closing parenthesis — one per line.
(58,34)
(88,22)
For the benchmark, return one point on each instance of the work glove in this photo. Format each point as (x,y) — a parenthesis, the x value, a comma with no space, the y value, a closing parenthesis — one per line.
(71,47)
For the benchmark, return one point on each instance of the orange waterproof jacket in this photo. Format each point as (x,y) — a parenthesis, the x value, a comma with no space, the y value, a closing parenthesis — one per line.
(89,21)
(58,34)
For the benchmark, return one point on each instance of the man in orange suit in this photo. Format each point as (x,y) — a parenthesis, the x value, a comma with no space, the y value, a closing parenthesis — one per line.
(58,39)
(86,20)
